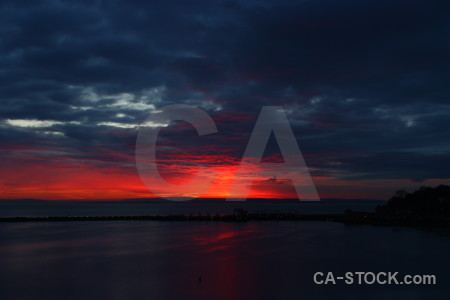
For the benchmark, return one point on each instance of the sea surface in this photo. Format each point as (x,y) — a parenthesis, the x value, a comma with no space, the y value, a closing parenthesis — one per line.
(38,208)
(209,260)
(214,260)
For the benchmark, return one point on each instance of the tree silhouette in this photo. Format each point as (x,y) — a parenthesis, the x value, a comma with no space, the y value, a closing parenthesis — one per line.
(426,201)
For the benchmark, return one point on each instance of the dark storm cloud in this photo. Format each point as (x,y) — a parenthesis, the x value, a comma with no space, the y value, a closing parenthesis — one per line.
(393,165)
(368,78)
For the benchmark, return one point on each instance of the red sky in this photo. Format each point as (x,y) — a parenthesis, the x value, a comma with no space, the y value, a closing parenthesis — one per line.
(28,175)
(366,96)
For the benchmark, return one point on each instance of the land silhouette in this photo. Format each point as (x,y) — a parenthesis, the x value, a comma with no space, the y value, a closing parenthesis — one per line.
(426,206)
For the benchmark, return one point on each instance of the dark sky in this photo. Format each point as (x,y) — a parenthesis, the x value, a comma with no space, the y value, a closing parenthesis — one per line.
(365,85)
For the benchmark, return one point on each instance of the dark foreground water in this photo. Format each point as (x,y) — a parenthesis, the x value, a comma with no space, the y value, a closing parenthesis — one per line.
(36,208)
(254,260)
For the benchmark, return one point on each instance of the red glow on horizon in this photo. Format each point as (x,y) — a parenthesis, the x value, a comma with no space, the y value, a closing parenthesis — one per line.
(40,174)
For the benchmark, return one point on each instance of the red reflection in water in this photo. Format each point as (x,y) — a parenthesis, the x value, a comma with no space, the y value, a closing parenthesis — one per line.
(223,272)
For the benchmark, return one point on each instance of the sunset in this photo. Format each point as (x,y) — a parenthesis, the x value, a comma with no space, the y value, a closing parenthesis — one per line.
(78,80)
(78,154)
(217,149)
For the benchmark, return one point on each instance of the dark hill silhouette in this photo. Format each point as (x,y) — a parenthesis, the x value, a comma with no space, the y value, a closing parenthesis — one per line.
(426,201)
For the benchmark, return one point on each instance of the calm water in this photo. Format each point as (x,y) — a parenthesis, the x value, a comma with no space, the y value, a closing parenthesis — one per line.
(254,260)
(13,208)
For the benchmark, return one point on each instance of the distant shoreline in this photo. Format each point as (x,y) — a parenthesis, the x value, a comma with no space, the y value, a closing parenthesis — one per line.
(230,218)
(359,218)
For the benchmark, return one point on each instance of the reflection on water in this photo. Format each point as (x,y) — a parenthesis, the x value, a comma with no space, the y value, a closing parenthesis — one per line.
(14,208)
(201,260)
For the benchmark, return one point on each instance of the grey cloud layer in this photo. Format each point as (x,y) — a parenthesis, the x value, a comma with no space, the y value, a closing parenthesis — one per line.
(361,81)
